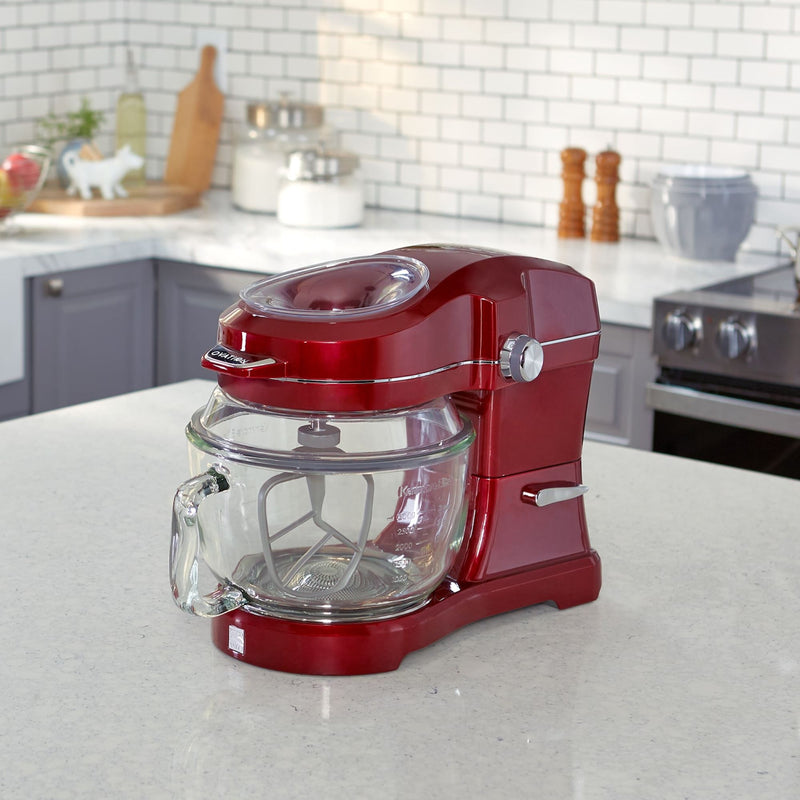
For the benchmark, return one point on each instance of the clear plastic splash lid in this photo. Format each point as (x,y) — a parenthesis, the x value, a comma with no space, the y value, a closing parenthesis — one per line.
(353,287)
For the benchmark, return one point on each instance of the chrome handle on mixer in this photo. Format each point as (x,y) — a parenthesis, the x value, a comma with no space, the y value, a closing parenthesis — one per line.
(185,557)
(552,494)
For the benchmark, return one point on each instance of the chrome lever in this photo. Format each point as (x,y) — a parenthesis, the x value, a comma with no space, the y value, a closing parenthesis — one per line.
(553,494)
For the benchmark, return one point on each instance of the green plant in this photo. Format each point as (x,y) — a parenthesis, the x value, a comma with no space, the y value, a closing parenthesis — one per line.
(81,124)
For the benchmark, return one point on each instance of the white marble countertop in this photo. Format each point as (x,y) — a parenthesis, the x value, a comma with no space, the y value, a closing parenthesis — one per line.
(681,681)
(628,274)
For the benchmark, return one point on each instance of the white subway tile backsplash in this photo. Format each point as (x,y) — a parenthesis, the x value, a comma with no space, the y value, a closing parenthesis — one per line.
(481,206)
(455,106)
(503,133)
(489,56)
(782,103)
(740,44)
(526,59)
(759,73)
(445,53)
(712,124)
(444,103)
(461,29)
(714,70)
(529,9)
(762,17)
(717,16)
(668,68)
(666,120)
(611,116)
(574,11)
(504,82)
(461,80)
(690,42)
(596,37)
(782,46)
(624,12)
(481,106)
(668,13)
(461,130)
(734,98)
(622,65)
(653,40)
(433,201)
(599,90)
(685,148)
(461,178)
(572,62)
(691,95)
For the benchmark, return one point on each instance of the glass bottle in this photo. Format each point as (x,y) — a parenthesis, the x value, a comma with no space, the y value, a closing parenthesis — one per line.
(132,120)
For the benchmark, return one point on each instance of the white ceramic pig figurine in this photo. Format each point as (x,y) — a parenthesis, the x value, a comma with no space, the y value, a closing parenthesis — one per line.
(105,174)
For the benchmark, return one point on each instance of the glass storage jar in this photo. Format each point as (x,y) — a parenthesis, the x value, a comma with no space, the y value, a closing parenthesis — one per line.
(271,131)
(321,189)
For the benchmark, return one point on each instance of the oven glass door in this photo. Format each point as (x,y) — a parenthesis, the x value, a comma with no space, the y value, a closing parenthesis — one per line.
(751,426)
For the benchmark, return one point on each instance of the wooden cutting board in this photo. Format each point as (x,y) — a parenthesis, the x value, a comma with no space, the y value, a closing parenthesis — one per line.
(152,199)
(195,129)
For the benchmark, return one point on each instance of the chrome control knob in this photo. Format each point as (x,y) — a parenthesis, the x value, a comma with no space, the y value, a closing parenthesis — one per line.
(734,339)
(521,358)
(680,331)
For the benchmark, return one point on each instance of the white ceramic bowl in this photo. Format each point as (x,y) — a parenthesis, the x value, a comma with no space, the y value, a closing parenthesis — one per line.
(702,212)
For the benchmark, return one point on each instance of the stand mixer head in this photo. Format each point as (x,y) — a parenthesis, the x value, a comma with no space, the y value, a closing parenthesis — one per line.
(399,440)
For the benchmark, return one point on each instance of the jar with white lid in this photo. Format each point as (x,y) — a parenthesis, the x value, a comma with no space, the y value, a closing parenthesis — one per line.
(321,189)
(271,131)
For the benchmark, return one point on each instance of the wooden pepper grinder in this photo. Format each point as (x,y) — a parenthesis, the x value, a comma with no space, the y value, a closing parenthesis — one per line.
(605,215)
(572,211)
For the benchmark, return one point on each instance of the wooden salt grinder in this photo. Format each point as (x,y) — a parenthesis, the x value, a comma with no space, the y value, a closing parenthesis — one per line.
(572,211)
(605,215)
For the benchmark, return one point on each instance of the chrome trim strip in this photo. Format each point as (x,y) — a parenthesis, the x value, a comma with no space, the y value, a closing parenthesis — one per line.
(570,338)
(401,378)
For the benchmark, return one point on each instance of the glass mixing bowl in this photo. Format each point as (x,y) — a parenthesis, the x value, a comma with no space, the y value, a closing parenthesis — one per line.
(326,517)
(22,174)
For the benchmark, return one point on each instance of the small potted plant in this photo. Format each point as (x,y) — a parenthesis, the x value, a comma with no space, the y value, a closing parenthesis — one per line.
(76,129)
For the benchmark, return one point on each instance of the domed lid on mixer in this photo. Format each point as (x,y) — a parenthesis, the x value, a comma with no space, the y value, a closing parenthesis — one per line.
(353,287)
(234,430)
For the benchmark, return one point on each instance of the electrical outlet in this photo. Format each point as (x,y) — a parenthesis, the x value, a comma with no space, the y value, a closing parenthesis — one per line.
(219,38)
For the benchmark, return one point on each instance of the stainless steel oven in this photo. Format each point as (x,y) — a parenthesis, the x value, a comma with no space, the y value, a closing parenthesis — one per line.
(728,389)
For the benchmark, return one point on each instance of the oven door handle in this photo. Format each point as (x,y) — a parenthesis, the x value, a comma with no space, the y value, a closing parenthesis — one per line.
(725,410)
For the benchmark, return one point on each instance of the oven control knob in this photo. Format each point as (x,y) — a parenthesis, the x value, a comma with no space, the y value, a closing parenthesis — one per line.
(680,331)
(521,358)
(734,340)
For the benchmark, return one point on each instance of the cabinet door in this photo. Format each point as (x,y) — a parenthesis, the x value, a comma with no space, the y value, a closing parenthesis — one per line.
(190,301)
(617,412)
(92,334)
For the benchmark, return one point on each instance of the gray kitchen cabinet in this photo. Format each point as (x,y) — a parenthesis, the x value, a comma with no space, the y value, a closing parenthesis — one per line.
(617,412)
(92,334)
(15,399)
(190,300)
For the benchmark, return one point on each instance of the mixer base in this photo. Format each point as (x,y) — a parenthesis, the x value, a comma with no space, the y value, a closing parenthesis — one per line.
(359,648)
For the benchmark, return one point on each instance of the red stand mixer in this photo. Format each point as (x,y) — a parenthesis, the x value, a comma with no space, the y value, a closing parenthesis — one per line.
(392,452)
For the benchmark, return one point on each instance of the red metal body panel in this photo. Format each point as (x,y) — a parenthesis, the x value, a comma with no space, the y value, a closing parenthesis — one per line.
(473,302)
(359,648)
(444,341)
(508,535)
